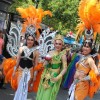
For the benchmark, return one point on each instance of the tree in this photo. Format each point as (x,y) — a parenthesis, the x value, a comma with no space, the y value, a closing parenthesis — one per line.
(98,38)
(19,3)
(64,14)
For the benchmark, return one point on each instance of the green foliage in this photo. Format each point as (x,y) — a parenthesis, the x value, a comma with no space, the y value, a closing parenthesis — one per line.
(64,14)
(98,38)
(65,17)
(19,3)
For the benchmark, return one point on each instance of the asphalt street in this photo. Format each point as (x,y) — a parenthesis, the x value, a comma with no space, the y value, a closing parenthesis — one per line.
(8,94)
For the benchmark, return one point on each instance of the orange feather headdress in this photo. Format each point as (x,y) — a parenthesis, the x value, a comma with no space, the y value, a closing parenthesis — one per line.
(32,18)
(89,13)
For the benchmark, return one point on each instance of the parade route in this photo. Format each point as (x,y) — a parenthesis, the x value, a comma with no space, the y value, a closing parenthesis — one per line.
(8,94)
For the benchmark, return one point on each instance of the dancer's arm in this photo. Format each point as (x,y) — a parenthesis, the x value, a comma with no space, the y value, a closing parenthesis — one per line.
(18,56)
(36,61)
(93,66)
(64,62)
(18,59)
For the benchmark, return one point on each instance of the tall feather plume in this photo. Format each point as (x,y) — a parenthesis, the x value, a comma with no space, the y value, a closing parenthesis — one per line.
(89,13)
(32,16)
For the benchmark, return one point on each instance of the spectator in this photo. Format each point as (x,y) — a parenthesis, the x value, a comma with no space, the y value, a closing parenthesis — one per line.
(1,42)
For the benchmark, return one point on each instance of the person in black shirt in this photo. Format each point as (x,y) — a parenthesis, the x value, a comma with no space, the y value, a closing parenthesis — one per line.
(28,57)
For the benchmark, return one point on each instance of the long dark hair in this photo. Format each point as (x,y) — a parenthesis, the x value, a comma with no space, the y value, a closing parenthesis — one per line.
(90,43)
(35,42)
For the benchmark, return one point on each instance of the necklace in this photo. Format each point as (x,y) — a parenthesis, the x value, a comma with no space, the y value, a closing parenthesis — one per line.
(28,51)
(82,57)
(58,56)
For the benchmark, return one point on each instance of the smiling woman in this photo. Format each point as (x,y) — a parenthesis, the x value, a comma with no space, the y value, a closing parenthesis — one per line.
(26,60)
(55,67)
(85,78)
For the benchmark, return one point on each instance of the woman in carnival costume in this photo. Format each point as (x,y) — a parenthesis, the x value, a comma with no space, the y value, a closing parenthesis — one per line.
(32,20)
(86,76)
(86,73)
(55,68)
(27,58)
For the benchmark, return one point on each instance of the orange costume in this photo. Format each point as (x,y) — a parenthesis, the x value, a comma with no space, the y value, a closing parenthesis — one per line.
(80,89)
(8,68)
(89,13)
(33,17)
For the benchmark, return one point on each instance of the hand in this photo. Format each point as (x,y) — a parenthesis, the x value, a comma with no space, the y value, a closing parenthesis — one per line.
(31,80)
(30,84)
(82,79)
(42,68)
(76,81)
(48,57)
(54,79)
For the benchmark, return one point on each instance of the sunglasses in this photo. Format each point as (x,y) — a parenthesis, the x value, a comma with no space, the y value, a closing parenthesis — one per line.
(58,43)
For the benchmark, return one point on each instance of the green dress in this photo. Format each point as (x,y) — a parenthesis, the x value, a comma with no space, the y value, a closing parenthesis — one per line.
(47,89)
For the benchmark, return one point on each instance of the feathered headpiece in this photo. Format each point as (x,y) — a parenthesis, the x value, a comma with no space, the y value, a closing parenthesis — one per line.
(89,13)
(32,19)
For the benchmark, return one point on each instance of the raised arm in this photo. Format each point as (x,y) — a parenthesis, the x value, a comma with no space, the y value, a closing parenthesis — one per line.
(64,69)
(93,66)
(36,61)
(17,61)
(18,57)
(64,65)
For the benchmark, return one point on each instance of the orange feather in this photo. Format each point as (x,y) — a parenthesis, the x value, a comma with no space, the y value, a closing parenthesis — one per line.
(32,16)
